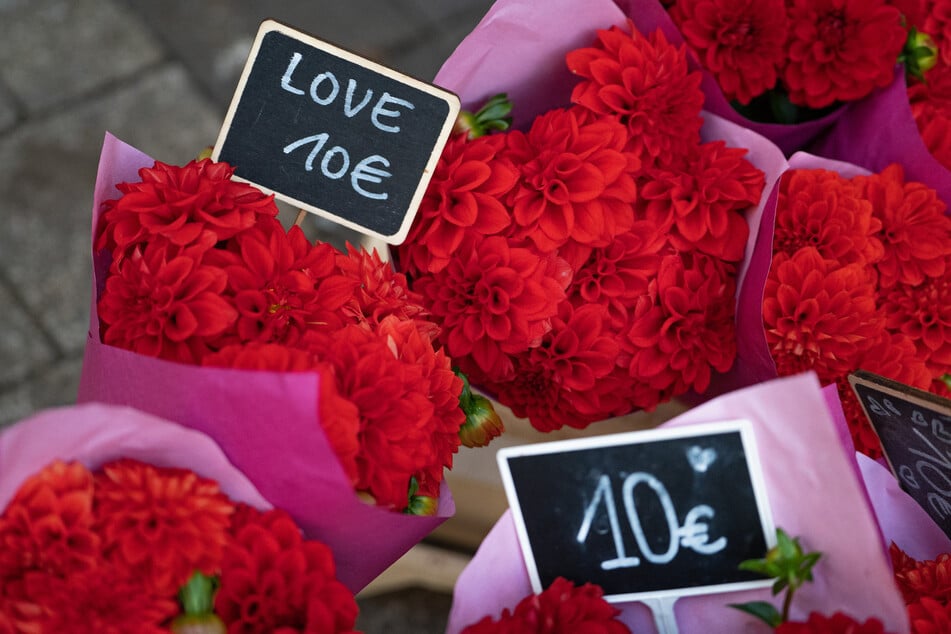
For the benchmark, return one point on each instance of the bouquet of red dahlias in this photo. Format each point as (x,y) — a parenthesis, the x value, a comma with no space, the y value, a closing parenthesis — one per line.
(796,433)
(315,370)
(115,520)
(853,276)
(584,264)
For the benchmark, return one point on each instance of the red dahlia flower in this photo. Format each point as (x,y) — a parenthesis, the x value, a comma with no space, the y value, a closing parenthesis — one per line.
(821,209)
(281,284)
(182,204)
(916,233)
(923,313)
(562,608)
(922,579)
(702,199)
(818,315)
(838,623)
(48,527)
(930,103)
(164,302)
(684,328)
(739,41)
(929,616)
(936,23)
(646,82)
(840,50)
(495,300)
(576,180)
(163,523)
(566,380)
(272,580)
(463,198)
(107,600)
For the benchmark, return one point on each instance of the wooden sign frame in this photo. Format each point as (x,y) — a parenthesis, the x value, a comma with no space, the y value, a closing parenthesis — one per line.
(371,171)
(666,596)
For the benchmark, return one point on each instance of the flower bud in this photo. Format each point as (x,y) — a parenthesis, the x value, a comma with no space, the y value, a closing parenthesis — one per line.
(482,423)
(920,53)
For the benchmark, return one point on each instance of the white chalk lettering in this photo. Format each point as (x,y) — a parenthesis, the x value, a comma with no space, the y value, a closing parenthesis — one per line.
(344,162)
(286,79)
(603,492)
(364,171)
(380,110)
(925,467)
(939,458)
(348,108)
(940,505)
(334,88)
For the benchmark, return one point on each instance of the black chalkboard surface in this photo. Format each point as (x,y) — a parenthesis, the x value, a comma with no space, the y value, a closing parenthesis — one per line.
(915,429)
(659,513)
(333,133)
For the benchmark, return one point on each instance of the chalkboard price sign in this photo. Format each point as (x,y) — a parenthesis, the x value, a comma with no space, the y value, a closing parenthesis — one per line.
(333,133)
(648,514)
(915,429)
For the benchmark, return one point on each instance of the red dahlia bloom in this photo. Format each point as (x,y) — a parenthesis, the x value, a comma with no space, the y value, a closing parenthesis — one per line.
(923,313)
(48,526)
(838,623)
(821,209)
(916,233)
(281,284)
(840,50)
(495,300)
(937,24)
(163,523)
(929,616)
(683,328)
(739,41)
(562,608)
(930,103)
(107,600)
(395,433)
(922,579)
(164,302)
(616,275)
(183,205)
(646,82)
(464,197)
(261,356)
(703,199)
(576,180)
(566,380)
(272,580)
(818,315)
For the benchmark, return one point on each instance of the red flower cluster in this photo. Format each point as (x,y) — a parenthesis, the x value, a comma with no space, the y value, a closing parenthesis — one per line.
(203,273)
(108,552)
(838,623)
(859,280)
(926,588)
(817,52)
(585,267)
(562,608)
(930,97)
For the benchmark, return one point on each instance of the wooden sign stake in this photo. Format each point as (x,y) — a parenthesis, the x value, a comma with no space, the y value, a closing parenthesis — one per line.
(301,214)
(663,609)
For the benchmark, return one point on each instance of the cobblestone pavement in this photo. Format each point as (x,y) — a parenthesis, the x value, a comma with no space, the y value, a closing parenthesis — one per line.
(158,75)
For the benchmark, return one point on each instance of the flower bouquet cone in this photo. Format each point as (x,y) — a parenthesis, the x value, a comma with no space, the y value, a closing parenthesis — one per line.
(796,436)
(112,519)
(295,421)
(582,264)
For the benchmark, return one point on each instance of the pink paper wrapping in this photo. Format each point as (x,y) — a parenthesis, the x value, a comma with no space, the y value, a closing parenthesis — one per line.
(95,434)
(265,422)
(814,493)
(880,130)
(520,45)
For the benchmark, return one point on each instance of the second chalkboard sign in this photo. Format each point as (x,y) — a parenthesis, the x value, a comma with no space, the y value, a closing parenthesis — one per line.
(660,513)
(333,133)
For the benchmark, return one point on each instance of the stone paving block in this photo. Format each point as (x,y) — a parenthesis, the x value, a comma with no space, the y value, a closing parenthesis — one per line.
(55,386)
(8,110)
(23,346)
(47,175)
(414,610)
(216,55)
(52,51)
(438,11)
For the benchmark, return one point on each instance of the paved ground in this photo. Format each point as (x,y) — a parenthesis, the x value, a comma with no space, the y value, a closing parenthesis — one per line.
(158,75)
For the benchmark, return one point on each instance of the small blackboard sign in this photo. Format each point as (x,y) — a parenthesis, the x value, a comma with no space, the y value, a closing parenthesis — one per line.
(333,133)
(914,427)
(645,515)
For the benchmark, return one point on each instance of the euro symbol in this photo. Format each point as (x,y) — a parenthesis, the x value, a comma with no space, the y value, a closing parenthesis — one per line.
(695,534)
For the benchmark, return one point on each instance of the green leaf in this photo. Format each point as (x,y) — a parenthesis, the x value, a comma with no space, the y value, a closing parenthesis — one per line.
(762,610)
